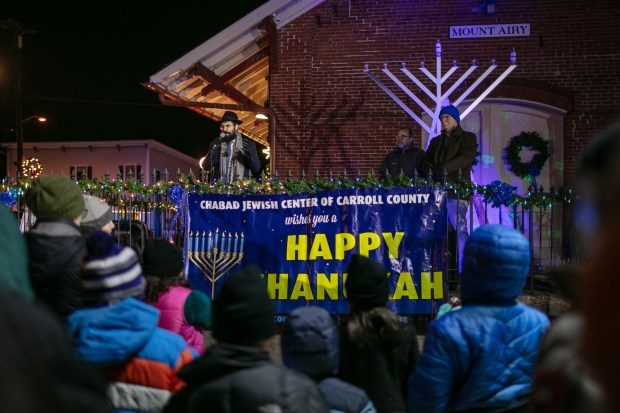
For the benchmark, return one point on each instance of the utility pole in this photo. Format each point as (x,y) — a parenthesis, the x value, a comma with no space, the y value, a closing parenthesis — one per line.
(19,126)
(18,32)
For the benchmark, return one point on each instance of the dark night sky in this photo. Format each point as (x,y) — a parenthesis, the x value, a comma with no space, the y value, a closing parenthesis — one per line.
(102,52)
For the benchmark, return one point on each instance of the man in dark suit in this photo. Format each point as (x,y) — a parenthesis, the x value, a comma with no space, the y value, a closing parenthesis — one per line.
(452,152)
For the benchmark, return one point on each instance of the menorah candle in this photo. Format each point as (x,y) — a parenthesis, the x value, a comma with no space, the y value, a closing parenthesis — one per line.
(210,241)
(229,240)
(236,239)
(223,240)
(242,240)
(203,242)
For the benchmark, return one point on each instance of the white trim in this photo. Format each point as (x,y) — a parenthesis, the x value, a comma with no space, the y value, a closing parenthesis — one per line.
(237,35)
(529,103)
(87,145)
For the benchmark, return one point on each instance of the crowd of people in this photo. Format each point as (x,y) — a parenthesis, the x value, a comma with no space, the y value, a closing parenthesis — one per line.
(88,325)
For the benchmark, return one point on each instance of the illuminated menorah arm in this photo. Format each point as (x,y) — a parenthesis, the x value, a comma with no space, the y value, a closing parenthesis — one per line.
(214,262)
(438,97)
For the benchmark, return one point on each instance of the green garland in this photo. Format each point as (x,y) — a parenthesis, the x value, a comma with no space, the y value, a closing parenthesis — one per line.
(120,192)
(512,154)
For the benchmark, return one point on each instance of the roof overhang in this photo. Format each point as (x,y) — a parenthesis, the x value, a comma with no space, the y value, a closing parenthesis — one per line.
(230,71)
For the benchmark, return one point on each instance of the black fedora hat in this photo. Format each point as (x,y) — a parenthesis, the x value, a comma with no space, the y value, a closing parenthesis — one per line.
(231,117)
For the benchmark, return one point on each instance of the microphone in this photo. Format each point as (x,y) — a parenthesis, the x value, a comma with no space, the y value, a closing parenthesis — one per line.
(218,140)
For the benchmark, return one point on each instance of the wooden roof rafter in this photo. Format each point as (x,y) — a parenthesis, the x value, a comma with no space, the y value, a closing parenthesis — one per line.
(224,87)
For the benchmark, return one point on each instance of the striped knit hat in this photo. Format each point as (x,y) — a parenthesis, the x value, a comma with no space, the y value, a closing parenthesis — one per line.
(110,272)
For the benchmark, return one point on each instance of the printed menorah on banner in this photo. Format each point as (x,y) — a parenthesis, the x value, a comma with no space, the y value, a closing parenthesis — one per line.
(222,252)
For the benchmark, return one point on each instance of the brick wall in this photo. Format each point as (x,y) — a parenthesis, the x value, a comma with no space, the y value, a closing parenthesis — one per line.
(330,115)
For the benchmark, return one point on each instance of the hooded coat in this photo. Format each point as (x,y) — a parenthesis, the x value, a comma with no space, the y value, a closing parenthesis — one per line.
(139,359)
(481,357)
(310,345)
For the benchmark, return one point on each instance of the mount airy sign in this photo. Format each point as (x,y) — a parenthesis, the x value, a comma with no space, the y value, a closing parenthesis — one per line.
(490,30)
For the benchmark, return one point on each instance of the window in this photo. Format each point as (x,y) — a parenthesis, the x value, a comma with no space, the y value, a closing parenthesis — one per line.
(129,171)
(78,172)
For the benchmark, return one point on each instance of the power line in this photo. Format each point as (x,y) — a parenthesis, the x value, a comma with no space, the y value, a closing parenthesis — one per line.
(90,102)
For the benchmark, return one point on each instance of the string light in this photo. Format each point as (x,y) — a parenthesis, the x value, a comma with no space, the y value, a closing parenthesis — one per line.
(31,168)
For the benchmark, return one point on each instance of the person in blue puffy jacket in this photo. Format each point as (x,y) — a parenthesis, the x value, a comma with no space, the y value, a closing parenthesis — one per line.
(481,357)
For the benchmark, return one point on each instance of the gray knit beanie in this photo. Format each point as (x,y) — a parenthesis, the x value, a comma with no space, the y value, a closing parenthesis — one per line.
(97,213)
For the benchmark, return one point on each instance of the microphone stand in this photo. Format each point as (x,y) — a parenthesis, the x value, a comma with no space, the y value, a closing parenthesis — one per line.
(214,144)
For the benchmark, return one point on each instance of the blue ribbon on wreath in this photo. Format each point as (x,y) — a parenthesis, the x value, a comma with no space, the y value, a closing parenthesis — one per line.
(9,197)
(500,194)
(177,197)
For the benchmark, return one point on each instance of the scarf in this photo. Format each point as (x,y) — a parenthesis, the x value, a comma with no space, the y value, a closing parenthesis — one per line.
(231,170)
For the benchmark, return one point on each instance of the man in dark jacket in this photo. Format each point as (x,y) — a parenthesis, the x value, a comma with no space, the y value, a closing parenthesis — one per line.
(310,345)
(236,374)
(55,245)
(232,156)
(453,152)
(405,158)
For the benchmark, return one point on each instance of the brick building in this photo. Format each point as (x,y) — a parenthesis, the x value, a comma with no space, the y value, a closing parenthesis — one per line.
(303,60)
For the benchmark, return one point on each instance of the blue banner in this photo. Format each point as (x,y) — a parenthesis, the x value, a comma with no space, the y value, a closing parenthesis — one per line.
(303,243)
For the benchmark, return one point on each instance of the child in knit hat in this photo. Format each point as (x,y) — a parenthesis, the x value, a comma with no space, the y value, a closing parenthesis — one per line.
(236,374)
(55,245)
(97,216)
(377,352)
(184,311)
(118,333)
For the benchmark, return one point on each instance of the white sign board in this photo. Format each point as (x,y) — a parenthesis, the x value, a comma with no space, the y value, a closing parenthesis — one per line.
(490,30)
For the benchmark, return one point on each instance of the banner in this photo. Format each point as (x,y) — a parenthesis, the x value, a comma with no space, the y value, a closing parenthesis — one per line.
(303,243)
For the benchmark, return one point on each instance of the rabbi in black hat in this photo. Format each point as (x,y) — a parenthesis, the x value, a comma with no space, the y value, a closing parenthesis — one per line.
(236,374)
(232,156)
(377,352)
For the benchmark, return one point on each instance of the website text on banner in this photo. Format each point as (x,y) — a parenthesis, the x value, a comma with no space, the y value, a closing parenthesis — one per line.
(303,243)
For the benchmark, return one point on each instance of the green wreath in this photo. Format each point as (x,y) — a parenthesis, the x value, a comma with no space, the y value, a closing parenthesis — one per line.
(512,154)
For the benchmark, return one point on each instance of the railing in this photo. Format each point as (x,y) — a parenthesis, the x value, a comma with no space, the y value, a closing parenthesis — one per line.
(142,211)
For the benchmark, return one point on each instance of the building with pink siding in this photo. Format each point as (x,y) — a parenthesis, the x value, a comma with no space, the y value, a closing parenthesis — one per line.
(93,159)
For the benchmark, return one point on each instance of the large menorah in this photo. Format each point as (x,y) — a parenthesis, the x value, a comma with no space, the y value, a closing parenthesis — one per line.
(440,98)
(220,255)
